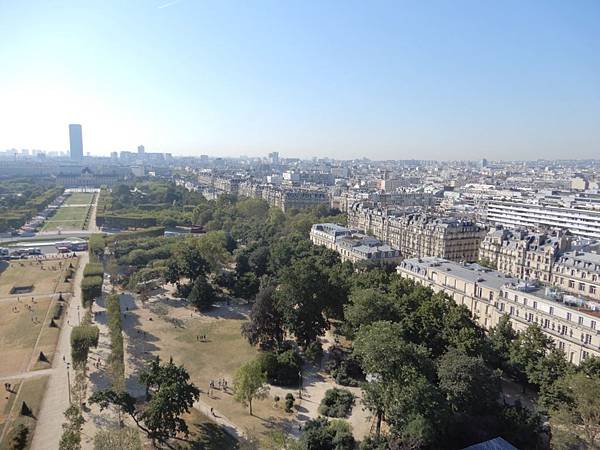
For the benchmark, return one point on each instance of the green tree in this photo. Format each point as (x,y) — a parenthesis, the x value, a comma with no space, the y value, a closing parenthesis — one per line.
(171,395)
(527,350)
(302,297)
(579,419)
(469,386)
(323,434)
(265,324)
(249,383)
(71,436)
(388,358)
(367,305)
(501,338)
(202,294)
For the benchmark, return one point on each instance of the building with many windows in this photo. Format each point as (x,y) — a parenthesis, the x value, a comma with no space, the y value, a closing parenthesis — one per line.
(580,222)
(417,235)
(571,322)
(353,246)
(522,254)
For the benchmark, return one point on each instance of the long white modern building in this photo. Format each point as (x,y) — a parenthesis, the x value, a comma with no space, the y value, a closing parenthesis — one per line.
(528,215)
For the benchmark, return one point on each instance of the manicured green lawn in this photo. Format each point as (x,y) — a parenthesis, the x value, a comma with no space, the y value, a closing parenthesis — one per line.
(67,218)
(79,198)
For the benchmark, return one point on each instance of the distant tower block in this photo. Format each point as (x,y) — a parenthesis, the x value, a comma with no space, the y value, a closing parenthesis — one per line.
(76,141)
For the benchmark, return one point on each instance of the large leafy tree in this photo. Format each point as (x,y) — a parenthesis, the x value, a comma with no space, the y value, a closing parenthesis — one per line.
(171,394)
(577,422)
(389,361)
(469,386)
(527,350)
(302,297)
(249,383)
(202,294)
(265,327)
(501,338)
(367,305)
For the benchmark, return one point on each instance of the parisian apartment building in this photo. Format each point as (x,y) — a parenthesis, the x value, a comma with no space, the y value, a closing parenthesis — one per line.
(352,245)
(419,234)
(571,321)
(555,258)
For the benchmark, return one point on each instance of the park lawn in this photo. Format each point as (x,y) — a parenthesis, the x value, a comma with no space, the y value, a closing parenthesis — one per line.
(18,334)
(32,392)
(206,434)
(79,198)
(223,353)
(68,218)
(44,276)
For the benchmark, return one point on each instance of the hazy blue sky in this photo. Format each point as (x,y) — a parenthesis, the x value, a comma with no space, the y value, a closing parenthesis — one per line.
(419,79)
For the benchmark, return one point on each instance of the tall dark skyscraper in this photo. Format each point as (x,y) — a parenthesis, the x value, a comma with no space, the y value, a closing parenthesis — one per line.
(76,140)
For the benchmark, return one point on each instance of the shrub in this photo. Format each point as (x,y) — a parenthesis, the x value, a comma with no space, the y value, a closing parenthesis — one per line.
(289,402)
(323,434)
(281,368)
(337,403)
(57,311)
(18,437)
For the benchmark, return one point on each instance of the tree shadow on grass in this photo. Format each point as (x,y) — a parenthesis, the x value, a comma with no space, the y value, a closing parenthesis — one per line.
(210,436)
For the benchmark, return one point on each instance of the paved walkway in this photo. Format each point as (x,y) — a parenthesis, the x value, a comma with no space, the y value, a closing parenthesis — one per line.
(56,398)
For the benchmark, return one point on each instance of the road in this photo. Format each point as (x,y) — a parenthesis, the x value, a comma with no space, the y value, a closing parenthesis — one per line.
(56,398)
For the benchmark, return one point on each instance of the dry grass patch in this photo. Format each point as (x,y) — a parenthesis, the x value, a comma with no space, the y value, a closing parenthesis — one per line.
(218,358)
(32,392)
(44,276)
(18,334)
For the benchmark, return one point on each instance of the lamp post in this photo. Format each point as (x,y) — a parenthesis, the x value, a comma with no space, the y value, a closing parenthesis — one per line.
(69,381)
(78,319)
(300,384)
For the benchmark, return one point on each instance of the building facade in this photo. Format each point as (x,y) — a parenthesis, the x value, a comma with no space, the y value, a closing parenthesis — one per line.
(572,323)
(353,246)
(579,222)
(417,235)
(76,141)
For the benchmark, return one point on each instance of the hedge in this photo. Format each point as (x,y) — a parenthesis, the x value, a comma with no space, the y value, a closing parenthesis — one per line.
(83,337)
(96,246)
(93,270)
(116,359)
(130,235)
(91,288)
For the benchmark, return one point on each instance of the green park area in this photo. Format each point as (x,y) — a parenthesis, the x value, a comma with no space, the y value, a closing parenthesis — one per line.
(79,199)
(68,218)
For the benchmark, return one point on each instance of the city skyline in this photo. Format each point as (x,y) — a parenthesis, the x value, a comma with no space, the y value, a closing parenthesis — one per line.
(386,81)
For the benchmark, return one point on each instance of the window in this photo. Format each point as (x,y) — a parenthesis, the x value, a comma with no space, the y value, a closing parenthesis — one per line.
(512,310)
(552,310)
(584,355)
(525,301)
(592,289)
(593,324)
(561,345)
(581,287)
(568,316)
(588,339)
(571,284)
(534,304)
(580,320)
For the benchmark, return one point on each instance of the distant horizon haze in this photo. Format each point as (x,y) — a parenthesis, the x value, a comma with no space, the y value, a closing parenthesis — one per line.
(436,80)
